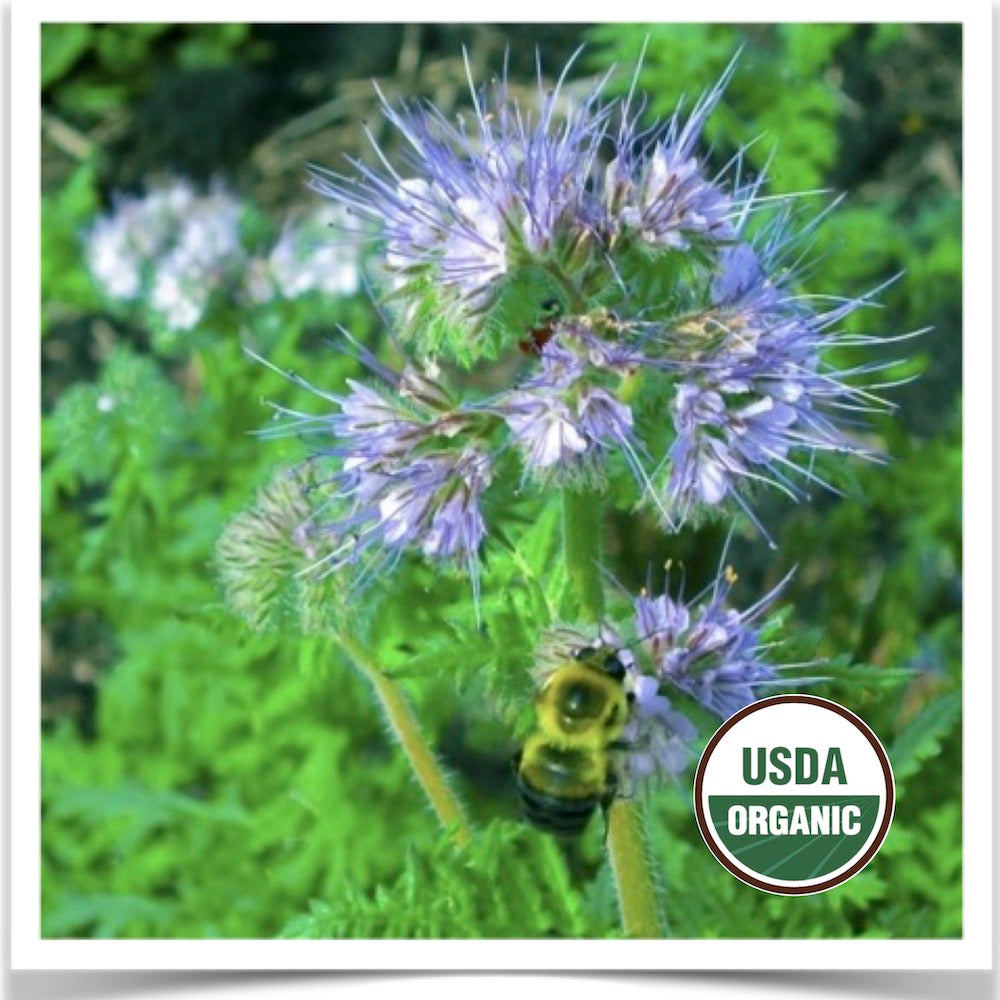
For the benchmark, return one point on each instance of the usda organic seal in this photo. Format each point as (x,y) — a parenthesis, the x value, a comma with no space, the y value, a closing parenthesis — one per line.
(794,794)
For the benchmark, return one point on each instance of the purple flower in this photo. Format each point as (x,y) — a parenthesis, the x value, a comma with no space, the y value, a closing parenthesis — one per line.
(660,739)
(755,400)
(430,502)
(604,419)
(586,205)
(702,648)
(655,186)
(669,202)
(405,475)
(741,274)
(466,200)
(546,429)
(374,426)
(565,423)
(469,204)
(707,649)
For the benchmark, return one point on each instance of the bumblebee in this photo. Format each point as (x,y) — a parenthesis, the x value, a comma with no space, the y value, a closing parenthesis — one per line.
(566,767)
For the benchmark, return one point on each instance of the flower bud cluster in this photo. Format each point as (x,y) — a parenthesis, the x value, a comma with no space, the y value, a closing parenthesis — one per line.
(409,470)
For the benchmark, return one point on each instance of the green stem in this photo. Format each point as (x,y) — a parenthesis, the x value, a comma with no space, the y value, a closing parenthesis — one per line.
(404,724)
(582,527)
(576,303)
(629,858)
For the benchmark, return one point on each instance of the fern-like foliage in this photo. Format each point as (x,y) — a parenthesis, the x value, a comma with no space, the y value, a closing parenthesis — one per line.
(445,892)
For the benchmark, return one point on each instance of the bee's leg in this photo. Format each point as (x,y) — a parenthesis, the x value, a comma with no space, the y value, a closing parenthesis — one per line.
(619,791)
(627,792)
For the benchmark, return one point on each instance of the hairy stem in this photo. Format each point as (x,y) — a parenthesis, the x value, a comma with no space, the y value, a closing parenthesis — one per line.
(406,729)
(582,525)
(629,858)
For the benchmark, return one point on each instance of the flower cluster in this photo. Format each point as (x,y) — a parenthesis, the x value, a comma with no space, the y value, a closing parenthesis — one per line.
(707,649)
(600,206)
(313,254)
(410,462)
(652,316)
(171,248)
(753,396)
(472,205)
(409,472)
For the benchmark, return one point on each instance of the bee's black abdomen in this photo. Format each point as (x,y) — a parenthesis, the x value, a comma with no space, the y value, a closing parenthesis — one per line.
(561,816)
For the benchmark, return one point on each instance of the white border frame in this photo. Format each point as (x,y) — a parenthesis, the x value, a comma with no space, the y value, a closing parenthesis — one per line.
(972,951)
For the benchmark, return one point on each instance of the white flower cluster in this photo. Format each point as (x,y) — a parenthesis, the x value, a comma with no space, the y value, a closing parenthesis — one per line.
(315,252)
(171,249)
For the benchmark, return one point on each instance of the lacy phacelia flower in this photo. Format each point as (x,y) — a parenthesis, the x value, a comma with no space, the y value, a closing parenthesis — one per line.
(754,400)
(656,269)
(172,248)
(469,206)
(548,432)
(661,740)
(708,650)
(564,421)
(406,474)
(656,187)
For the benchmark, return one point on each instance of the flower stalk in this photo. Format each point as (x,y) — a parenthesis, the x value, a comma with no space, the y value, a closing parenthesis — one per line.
(627,853)
(629,857)
(582,526)
(406,729)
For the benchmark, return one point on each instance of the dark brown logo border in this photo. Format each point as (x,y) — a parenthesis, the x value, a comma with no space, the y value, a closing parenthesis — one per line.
(862,727)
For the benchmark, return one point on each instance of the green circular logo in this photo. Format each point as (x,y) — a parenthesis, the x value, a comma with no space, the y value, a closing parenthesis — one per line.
(794,794)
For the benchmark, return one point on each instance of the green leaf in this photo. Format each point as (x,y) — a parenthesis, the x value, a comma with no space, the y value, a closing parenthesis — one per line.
(921,739)
(446,892)
(62,45)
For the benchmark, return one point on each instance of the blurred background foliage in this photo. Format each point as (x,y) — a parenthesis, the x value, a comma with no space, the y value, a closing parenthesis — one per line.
(200,781)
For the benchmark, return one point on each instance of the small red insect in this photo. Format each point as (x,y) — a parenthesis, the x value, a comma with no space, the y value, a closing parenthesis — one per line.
(540,335)
(537,338)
